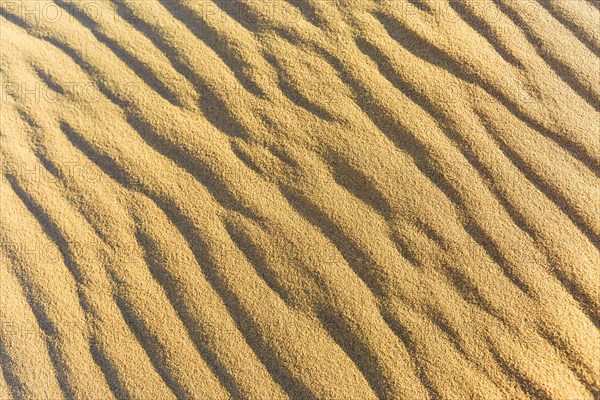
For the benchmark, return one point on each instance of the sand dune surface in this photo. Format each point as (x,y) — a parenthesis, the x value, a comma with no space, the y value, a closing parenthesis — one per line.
(300,199)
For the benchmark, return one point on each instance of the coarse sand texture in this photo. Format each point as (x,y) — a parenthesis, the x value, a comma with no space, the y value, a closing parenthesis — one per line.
(299,199)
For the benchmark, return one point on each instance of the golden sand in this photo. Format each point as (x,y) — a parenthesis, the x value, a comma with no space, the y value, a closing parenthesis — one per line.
(306,199)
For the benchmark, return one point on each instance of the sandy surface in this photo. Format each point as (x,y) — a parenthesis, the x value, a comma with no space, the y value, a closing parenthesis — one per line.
(306,199)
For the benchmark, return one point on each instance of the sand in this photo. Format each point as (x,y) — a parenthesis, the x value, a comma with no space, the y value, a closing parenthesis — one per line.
(301,199)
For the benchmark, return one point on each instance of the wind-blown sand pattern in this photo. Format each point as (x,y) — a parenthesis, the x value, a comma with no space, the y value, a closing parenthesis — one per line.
(300,199)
